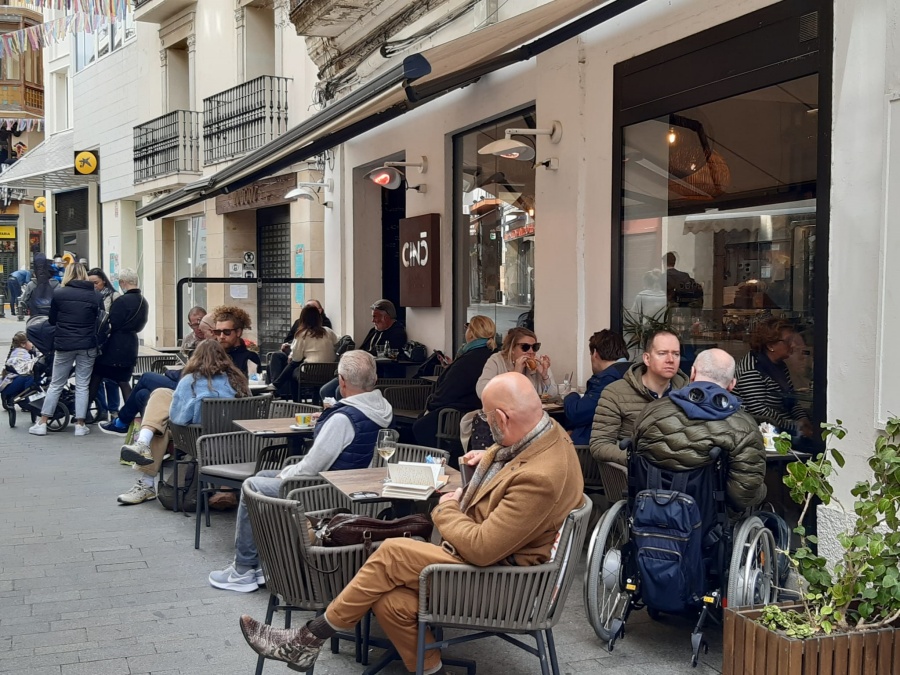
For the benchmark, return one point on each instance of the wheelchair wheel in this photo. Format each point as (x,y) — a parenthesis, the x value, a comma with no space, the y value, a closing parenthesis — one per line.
(60,419)
(751,575)
(605,597)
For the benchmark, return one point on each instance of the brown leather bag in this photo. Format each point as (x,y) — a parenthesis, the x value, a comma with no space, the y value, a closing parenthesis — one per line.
(346,529)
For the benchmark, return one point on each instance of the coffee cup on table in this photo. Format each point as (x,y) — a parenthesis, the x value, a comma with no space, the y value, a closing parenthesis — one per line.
(303,419)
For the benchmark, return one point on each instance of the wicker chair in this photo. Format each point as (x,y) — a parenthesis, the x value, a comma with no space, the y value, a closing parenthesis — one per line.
(283,409)
(411,398)
(227,460)
(320,496)
(590,470)
(292,564)
(448,427)
(503,600)
(614,478)
(385,382)
(411,453)
(310,377)
(216,417)
(145,364)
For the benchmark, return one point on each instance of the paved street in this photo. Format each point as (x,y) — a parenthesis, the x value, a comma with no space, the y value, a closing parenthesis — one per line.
(89,587)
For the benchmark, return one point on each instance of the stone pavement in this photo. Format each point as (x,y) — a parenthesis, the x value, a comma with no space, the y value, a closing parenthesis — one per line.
(89,587)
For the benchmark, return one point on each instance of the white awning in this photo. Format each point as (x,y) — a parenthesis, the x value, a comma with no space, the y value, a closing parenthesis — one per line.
(50,165)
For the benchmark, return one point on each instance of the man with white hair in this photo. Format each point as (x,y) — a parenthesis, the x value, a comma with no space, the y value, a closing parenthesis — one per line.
(678,432)
(344,438)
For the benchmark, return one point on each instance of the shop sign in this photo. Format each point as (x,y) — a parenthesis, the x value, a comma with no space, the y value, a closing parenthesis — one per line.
(258,195)
(40,205)
(87,162)
(519,232)
(420,272)
(7,231)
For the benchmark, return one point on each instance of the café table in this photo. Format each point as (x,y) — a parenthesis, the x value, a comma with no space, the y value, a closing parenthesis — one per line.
(278,427)
(352,481)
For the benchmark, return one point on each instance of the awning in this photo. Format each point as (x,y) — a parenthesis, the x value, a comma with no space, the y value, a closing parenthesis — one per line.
(418,79)
(47,166)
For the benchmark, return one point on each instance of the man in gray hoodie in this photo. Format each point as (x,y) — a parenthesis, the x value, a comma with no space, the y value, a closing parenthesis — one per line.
(344,438)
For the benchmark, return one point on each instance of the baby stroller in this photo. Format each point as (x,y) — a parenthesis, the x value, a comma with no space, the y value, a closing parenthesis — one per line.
(41,335)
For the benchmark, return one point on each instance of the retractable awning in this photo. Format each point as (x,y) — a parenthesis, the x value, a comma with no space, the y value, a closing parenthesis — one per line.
(418,79)
(47,166)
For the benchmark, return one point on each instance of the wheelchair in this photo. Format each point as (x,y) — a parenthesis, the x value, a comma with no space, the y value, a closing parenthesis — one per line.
(738,558)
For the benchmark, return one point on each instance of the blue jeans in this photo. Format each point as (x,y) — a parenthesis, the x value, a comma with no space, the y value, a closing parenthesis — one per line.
(245,553)
(82,360)
(16,387)
(141,392)
(108,396)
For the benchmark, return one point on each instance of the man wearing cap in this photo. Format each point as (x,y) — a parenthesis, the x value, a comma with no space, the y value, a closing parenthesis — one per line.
(386,330)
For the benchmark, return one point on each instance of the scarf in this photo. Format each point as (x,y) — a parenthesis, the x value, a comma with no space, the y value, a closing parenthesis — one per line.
(780,375)
(496,457)
(477,343)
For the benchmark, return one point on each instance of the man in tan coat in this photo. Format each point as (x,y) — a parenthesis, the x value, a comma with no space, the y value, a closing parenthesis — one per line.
(622,402)
(523,488)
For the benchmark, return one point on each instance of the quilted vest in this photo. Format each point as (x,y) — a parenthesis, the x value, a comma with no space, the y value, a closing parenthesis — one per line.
(357,455)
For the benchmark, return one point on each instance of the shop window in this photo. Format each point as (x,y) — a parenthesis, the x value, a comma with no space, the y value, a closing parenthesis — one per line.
(190,257)
(719,223)
(494,228)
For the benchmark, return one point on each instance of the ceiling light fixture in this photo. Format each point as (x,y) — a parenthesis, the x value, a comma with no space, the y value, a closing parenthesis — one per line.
(520,151)
(390,177)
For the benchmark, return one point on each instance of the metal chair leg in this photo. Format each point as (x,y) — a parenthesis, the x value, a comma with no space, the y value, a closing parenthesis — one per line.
(270,611)
(198,510)
(551,647)
(420,648)
(541,653)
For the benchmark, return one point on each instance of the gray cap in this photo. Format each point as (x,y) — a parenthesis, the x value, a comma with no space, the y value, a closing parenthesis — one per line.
(385,306)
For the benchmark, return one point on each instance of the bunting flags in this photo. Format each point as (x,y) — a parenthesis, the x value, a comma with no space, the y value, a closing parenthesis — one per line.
(54,32)
(20,124)
(115,8)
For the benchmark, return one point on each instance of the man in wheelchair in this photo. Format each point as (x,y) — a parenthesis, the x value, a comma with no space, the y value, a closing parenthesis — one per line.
(677,433)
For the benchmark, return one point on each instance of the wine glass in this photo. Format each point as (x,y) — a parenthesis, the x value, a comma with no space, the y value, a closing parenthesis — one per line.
(386,446)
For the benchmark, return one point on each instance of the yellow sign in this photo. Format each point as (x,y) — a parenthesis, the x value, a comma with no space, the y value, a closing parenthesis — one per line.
(7,231)
(87,162)
(40,205)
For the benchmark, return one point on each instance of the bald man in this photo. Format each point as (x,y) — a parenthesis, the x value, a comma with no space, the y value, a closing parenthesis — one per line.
(678,432)
(523,488)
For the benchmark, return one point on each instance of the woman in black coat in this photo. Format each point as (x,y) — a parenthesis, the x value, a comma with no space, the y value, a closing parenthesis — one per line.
(456,386)
(127,317)
(73,310)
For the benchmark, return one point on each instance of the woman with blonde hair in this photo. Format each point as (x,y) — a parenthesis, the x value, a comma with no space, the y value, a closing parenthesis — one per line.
(519,354)
(210,373)
(456,385)
(73,310)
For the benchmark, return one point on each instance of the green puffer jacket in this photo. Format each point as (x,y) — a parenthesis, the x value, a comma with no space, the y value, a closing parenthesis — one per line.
(667,437)
(619,406)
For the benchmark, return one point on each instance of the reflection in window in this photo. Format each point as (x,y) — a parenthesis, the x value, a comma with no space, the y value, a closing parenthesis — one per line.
(495,226)
(719,229)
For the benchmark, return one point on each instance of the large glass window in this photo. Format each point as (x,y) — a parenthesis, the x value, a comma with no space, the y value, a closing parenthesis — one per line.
(190,257)
(91,46)
(719,223)
(494,228)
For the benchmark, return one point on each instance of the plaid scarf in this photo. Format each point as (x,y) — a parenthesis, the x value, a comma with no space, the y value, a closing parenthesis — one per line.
(496,457)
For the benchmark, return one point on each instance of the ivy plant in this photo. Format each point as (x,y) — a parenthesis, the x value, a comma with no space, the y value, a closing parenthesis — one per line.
(861,591)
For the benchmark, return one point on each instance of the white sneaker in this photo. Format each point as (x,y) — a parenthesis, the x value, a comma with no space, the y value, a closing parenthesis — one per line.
(38,429)
(82,430)
(137,452)
(137,494)
(230,580)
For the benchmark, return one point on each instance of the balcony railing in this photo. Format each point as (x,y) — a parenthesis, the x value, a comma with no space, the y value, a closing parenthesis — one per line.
(167,145)
(34,97)
(244,118)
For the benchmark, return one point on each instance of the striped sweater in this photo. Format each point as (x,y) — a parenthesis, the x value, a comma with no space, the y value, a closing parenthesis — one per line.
(763,398)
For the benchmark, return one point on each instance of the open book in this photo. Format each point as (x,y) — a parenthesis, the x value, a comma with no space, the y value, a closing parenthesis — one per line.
(413,480)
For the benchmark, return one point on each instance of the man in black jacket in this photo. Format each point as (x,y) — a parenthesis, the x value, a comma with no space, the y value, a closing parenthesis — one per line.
(386,330)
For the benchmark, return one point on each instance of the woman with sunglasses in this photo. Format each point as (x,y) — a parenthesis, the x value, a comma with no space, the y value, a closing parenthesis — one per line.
(519,354)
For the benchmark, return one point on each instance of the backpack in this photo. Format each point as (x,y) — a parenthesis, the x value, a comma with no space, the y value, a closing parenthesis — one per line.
(187,486)
(344,344)
(668,536)
(40,299)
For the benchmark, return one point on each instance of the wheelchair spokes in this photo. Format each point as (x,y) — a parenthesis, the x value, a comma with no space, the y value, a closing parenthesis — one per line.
(606,595)
(751,573)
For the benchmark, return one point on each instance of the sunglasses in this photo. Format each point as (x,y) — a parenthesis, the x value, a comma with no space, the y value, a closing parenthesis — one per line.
(527,346)
(223,331)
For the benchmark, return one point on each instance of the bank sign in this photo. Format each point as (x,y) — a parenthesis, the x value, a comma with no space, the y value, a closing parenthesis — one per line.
(420,270)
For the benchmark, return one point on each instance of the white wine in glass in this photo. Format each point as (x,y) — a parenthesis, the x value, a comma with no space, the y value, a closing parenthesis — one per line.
(386,446)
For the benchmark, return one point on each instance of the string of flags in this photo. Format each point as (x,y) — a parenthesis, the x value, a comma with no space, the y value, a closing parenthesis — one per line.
(107,7)
(19,124)
(53,32)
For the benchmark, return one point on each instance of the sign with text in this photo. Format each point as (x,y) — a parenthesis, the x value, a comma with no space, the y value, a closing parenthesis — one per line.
(258,195)
(420,261)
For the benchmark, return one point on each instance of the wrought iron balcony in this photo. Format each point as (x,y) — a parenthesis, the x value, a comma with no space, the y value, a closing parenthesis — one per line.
(167,145)
(244,118)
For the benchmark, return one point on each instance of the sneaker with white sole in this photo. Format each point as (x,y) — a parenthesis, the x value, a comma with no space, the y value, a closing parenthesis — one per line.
(260,577)
(230,580)
(137,494)
(137,452)
(82,430)
(38,429)
(112,427)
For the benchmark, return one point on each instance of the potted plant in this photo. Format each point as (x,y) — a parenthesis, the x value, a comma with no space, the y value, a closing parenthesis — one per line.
(846,616)
(637,326)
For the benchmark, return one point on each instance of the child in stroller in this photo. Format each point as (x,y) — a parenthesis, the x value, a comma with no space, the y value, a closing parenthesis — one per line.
(17,373)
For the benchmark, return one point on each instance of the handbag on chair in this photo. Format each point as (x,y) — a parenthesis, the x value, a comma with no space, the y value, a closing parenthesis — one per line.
(347,529)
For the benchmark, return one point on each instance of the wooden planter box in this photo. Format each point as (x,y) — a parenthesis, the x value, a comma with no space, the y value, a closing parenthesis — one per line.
(751,649)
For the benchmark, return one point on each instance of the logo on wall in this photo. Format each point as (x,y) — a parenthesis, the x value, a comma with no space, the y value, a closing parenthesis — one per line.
(87,162)
(40,205)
